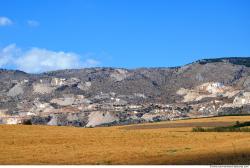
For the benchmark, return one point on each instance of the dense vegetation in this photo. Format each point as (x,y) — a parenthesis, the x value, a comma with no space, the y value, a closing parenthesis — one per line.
(238,127)
(233,60)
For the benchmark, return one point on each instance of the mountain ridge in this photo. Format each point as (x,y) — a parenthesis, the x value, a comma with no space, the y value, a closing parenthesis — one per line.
(111,96)
(241,61)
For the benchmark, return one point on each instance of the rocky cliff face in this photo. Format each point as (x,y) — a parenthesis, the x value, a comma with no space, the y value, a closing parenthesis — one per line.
(111,96)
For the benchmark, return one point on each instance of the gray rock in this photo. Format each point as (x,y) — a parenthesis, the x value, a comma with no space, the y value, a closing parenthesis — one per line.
(113,91)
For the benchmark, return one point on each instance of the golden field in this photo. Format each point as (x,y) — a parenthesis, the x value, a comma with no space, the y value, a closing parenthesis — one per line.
(154,143)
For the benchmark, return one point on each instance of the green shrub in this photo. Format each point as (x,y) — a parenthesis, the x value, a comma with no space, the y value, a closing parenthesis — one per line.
(238,127)
(27,122)
(198,129)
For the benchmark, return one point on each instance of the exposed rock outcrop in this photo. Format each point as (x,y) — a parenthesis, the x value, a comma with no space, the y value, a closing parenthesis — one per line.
(112,96)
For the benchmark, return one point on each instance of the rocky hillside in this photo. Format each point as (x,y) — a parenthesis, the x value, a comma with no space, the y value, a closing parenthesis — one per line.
(111,96)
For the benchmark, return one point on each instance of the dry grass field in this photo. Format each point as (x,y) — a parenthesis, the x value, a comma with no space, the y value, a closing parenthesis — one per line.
(155,143)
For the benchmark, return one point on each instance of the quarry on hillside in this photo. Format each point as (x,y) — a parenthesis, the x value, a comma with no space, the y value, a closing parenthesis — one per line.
(114,96)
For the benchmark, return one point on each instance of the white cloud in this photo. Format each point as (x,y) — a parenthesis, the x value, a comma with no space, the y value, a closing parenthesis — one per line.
(37,60)
(91,63)
(4,21)
(33,23)
(7,54)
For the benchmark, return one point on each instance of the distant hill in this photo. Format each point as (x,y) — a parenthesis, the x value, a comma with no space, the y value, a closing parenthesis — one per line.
(77,96)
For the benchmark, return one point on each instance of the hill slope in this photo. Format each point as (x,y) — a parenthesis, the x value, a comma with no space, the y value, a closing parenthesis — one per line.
(111,96)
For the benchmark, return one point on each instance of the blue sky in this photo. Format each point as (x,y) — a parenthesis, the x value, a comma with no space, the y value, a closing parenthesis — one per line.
(45,35)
